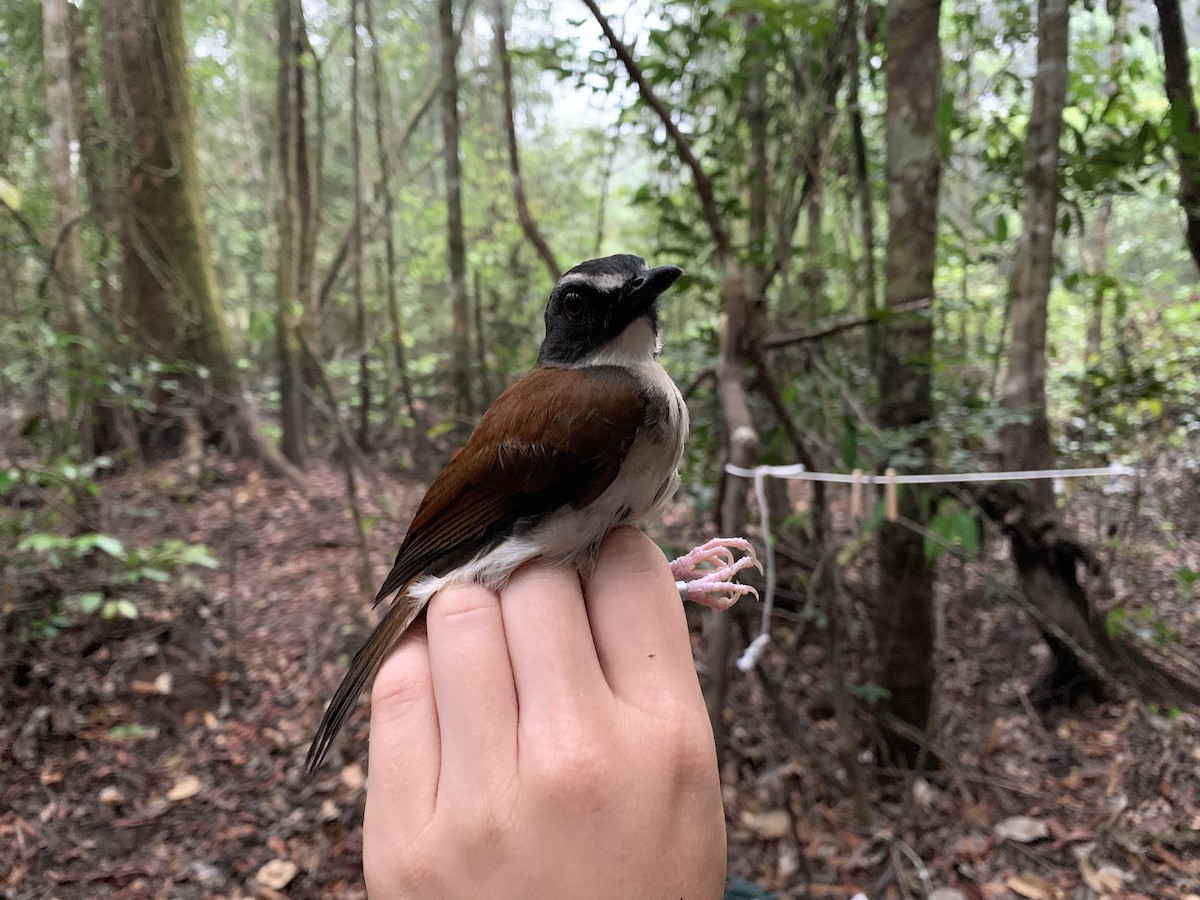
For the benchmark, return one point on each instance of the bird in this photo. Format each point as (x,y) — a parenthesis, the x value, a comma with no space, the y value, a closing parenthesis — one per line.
(591,437)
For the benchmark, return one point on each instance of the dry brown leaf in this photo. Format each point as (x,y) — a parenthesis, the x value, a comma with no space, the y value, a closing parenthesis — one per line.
(770,825)
(1032,886)
(1108,879)
(185,788)
(1063,835)
(1023,829)
(276,874)
(353,777)
(923,794)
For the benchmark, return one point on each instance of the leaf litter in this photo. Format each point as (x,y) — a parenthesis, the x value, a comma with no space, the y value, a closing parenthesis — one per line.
(163,756)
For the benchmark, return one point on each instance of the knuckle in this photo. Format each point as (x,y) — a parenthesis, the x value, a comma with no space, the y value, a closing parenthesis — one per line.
(403,679)
(694,760)
(396,869)
(463,607)
(575,770)
(688,749)
(483,828)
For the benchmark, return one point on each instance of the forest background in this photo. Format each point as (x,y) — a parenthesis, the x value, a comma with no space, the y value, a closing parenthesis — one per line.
(265,261)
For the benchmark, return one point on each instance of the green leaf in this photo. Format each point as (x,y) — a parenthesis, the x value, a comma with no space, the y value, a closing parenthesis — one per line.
(440,429)
(132,732)
(946,120)
(90,602)
(39,542)
(1114,622)
(199,555)
(849,443)
(1186,577)
(966,531)
(10,195)
(941,534)
(126,609)
(105,542)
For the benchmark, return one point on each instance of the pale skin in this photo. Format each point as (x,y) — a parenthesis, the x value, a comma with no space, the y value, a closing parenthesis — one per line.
(549,741)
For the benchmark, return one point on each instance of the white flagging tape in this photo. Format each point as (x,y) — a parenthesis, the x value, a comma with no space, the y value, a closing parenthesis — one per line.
(753,653)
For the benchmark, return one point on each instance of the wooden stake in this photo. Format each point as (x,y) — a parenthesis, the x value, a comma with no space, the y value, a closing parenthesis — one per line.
(893,505)
(856,493)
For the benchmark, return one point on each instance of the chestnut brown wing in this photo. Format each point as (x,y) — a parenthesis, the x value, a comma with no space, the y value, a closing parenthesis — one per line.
(557,437)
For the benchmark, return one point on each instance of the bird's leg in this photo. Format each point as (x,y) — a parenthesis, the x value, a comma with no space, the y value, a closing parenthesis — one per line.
(715,587)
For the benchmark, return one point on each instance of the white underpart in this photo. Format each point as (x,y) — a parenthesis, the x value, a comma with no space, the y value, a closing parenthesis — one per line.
(647,479)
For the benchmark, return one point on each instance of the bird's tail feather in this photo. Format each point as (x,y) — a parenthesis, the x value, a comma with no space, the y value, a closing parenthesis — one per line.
(366,663)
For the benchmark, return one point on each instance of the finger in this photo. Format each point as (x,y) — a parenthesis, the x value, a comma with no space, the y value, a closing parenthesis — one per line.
(473,686)
(550,644)
(638,621)
(404,755)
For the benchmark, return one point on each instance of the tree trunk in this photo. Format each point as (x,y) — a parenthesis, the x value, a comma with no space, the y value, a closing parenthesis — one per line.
(1094,337)
(1185,125)
(67,268)
(289,218)
(1026,445)
(862,183)
(356,260)
(389,215)
(758,174)
(483,378)
(904,614)
(95,162)
(528,224)
(311,169)
(456,254)
(170,304)
(1085,656)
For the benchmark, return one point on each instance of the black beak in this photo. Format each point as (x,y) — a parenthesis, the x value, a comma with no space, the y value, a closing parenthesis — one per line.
(647,288)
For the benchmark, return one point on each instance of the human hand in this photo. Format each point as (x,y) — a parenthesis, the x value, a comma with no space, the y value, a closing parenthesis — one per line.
(559,750)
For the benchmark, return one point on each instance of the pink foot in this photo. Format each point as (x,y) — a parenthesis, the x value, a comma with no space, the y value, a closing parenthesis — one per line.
(715,587)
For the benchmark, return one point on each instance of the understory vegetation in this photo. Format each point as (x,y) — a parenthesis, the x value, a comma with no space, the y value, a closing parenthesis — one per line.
(263,263)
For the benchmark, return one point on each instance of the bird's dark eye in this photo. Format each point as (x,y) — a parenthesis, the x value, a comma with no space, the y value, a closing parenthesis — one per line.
(572,304)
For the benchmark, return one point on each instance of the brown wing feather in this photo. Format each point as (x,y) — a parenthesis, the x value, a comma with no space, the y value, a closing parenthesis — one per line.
(535,449)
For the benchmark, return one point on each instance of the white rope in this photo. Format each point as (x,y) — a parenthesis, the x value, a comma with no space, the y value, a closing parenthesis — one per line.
(758,646)
(753,653)
(799,473)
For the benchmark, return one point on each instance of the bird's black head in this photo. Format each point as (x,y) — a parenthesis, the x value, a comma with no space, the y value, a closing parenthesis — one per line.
(605,307)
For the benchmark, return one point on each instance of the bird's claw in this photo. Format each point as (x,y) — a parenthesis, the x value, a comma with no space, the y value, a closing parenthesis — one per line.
(715,587)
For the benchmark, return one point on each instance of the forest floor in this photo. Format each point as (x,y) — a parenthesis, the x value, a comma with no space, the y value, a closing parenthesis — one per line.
(163,756)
